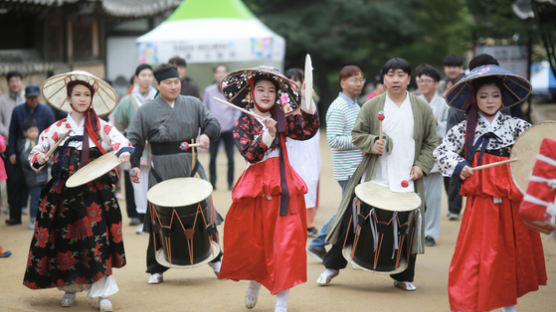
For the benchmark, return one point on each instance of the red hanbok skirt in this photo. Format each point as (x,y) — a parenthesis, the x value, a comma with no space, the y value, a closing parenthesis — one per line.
(259,244)
(497,258)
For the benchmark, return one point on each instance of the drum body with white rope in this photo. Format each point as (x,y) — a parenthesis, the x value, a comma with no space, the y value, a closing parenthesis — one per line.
(183,222)
(534,174)
(384,229)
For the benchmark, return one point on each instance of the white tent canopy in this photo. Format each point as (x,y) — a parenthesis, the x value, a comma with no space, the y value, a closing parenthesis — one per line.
(216,31)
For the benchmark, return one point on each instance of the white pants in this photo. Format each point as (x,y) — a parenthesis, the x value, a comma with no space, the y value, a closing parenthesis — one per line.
(140,191)
(433,202)
(103,288)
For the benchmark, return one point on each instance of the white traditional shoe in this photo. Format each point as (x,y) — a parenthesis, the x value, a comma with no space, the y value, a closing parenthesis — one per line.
(250,301)
(280,309)
(156,278)
(67,300)
(105,305)
(407,286)
(215,267)
(139,229)
(326,276)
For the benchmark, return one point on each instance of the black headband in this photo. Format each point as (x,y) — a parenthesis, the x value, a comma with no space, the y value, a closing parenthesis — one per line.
(169,73)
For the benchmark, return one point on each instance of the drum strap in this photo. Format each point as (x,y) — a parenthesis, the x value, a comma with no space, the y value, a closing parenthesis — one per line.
(195,168)
(355,213)
(418,229)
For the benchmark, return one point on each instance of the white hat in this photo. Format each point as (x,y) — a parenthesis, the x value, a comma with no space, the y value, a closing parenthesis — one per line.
(54,91)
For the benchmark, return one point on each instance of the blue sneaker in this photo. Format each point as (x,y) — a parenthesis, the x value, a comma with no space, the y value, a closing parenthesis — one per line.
(5,253)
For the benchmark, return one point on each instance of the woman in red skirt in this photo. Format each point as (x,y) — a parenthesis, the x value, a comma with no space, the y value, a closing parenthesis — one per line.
(497,258)
(265,229)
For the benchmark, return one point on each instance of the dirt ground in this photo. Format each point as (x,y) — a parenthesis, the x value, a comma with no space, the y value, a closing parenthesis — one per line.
(199,290)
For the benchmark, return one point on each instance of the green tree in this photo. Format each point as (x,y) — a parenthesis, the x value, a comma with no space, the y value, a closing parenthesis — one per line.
(364,32)
(495,20)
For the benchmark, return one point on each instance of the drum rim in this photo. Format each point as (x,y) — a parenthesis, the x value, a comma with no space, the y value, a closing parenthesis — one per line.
(346,252)
(364,198)
(514,167)
(215,251)
(203,192)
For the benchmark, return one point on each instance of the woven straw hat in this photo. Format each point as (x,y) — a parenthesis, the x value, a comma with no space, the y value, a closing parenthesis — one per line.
(516,89)
(93,170)
(236,88)
(179,192)
(54,91)
(382,197)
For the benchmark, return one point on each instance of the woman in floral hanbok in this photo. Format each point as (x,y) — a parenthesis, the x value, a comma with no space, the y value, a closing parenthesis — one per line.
(78,232)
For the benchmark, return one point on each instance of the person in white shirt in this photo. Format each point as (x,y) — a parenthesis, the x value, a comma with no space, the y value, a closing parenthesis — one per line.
(405,151)
(427,81)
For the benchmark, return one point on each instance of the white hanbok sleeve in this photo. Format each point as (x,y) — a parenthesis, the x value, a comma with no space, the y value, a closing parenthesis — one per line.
(448,154)
(118,142)
(442,118)
(47,139)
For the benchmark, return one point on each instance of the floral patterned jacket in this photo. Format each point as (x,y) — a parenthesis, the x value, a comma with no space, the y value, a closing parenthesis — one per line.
(248,134)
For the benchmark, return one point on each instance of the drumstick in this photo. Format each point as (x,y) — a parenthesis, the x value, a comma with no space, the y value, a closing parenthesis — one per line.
(185,145)
(495,164)
(192,155)
(193,158)
(134,173)
(405,183)
(236,107)
(57,144)
(380,117)
(50,151)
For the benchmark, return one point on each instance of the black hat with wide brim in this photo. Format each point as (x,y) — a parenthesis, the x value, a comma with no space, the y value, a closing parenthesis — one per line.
(236,87)
(515,89)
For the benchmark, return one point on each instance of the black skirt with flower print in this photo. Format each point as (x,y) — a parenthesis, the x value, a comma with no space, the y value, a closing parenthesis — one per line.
(78,232)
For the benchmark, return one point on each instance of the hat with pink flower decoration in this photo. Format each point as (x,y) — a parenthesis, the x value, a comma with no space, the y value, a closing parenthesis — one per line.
(237,85)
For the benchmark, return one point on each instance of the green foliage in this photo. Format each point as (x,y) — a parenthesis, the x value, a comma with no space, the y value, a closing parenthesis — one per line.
(364,32)
(369,32)
(494,19)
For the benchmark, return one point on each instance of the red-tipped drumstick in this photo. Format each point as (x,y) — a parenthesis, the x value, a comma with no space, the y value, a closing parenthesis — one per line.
(380,117)
(185,145)
(405,183)
(134,173)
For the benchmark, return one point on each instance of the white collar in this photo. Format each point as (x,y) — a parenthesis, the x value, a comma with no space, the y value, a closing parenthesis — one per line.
(73,123)
(492,125)
(405,100)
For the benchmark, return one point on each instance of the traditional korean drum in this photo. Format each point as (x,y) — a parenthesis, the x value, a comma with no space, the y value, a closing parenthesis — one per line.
(384,229)
(534,174)
(183,222)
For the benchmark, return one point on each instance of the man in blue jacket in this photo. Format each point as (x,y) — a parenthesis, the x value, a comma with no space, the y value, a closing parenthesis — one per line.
(42,114)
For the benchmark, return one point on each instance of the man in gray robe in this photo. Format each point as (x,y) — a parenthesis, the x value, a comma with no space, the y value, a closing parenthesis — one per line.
(165,122)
